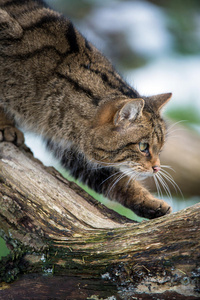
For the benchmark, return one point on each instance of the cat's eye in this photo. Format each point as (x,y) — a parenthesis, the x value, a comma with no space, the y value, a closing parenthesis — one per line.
(144,147)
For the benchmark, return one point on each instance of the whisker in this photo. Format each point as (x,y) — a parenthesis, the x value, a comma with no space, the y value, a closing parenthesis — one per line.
(115,181)
(170,131)
(172,137)
(101,165)
(173,183)
(167,167)
(176,129)
(133,176)
(164,184)
(159,190)
(166,173)
(119,172)
(121,176)
(174,124)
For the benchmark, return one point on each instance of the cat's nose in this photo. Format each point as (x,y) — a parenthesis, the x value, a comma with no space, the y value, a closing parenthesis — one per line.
(156,169)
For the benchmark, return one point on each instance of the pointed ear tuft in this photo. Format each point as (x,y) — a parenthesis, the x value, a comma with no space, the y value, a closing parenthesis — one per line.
(131,111)
(158,101)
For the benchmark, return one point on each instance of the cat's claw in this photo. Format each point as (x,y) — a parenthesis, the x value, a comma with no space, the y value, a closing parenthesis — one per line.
(161,211)
(155,211)
(11,134)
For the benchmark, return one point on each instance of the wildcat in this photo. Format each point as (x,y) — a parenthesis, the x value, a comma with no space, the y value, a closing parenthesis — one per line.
(57,84)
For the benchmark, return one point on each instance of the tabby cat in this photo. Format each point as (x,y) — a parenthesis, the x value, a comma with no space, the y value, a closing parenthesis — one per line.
(57,84)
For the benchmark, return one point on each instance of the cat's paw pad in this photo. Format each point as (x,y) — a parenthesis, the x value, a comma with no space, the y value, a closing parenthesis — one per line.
(163,209)
(11,134)
(159,208)
(152,209)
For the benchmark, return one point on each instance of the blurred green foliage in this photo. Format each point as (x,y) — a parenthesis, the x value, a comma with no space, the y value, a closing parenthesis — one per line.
(184,23)
(187,114)
(3,248)
(76,9)
(183,18)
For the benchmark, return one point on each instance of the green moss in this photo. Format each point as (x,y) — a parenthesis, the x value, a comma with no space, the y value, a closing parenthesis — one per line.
(4,251)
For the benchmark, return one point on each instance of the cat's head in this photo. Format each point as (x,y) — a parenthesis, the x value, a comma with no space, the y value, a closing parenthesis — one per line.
(129,134)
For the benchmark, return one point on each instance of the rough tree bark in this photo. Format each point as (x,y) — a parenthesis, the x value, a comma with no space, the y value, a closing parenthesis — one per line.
(65,245)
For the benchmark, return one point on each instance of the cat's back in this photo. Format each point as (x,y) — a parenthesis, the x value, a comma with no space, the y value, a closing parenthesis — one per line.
(39,37)
(35,42)
(17,6)
(30,24)
(43,55)
(21,9)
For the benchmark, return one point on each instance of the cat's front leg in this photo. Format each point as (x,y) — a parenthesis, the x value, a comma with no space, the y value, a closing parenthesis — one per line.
(146,205)
(135,197)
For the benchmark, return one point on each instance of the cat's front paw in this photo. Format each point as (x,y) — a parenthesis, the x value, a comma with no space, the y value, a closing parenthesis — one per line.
(11,134)
(153,208)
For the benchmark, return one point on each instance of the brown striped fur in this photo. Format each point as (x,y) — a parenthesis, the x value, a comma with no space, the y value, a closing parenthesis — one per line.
(57,84)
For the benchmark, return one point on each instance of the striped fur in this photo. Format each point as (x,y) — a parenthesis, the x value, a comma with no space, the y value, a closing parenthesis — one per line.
(57,84)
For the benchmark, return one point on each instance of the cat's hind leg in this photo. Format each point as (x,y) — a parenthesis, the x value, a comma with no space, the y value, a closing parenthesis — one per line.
(8,131)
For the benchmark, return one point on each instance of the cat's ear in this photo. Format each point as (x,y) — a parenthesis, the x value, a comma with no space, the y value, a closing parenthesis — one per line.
(158,101)
(130,111)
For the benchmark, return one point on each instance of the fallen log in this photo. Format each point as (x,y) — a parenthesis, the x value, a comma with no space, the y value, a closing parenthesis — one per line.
(65,245)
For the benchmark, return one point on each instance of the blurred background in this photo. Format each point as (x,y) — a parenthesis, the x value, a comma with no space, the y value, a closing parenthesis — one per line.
(155,45)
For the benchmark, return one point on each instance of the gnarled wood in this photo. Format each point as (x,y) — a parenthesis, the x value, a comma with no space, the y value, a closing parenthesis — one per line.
(55,229)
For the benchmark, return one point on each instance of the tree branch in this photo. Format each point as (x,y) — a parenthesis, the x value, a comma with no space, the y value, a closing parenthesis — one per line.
(55,228)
